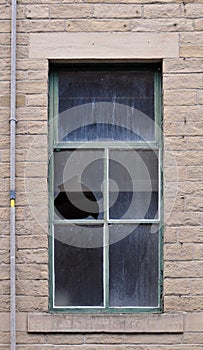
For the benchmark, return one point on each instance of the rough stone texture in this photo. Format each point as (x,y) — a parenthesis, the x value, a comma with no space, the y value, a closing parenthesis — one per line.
(106,45)
(99,323)
(166,29)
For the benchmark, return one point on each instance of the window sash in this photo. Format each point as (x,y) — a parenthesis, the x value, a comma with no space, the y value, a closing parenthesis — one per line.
(54,145)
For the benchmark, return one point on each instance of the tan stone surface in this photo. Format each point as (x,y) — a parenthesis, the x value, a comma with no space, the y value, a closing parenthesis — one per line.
(110,45)
(127,29)
(194,322)
(100,323)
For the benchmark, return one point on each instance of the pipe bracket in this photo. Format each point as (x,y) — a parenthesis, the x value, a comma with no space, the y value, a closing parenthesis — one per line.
(13,120)
(13,194)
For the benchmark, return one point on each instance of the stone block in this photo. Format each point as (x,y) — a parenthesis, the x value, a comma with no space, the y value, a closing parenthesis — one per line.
(187,304)
(198,252)
(198,24)
(32,288)
(29,256)
(5,26)
(21,321)
(177,286)
(186,269)
(40,100)
(32,271)
(32,87)
(163,11)
(182,65)
(148,323)
(32,303)
(193,203)
(104,45)
(178,252)
(117,11)
(150,339)
(194,10)
(180,97)
(45,25)
(162,25)
(71,11)
(182,81)
(37,11)
(196,285)
(97,25)
(61,339)
(193,338)
(193,322)
(191,51)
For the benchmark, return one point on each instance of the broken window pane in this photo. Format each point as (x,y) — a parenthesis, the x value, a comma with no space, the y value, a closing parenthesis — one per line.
(78,182)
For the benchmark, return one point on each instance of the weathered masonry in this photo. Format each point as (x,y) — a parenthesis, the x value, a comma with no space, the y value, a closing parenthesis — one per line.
(101,149)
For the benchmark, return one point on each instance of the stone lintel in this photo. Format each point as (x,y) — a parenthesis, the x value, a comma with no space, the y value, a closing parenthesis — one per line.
(116,46)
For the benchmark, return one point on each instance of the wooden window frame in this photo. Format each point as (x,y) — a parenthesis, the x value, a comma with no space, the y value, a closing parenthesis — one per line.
(55,145)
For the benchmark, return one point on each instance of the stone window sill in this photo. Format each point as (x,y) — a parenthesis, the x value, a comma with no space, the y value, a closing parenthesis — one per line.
(117,323)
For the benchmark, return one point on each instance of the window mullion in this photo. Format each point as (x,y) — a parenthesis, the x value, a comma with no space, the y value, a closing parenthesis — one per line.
(106,229)
(78,221)
(111,144)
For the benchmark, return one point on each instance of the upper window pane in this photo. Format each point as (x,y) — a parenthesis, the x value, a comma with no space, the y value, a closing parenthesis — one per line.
(133,185)
(106,105)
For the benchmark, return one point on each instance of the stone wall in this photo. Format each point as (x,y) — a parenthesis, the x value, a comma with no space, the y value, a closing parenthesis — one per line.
(168,30)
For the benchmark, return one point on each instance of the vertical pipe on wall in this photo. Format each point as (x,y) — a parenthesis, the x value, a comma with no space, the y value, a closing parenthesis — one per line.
(12,181)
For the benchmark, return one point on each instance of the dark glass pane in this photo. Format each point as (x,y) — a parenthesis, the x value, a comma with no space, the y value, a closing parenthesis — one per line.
(113,105)
(133,265)
(133,186)
(78,263)
(78,177)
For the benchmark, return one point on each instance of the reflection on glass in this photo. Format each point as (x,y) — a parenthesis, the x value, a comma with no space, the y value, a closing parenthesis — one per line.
(78,264)
(78,184)
(113,105)
(133,186)
(133,264)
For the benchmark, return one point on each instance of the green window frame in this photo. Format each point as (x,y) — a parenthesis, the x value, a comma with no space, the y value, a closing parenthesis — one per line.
(105,154)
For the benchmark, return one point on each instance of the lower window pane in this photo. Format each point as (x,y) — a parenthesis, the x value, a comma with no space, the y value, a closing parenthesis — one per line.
(78,264)
(133,265)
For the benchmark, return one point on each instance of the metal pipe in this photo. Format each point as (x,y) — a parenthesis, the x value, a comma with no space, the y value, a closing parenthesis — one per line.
(12,181)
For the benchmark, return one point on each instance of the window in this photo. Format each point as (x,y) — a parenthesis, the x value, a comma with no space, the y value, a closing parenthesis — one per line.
(105,187)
